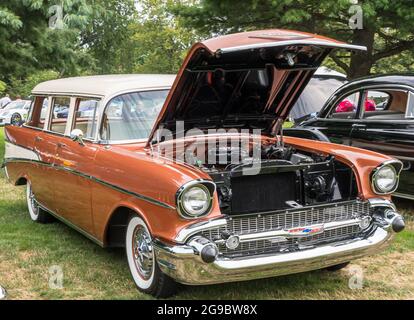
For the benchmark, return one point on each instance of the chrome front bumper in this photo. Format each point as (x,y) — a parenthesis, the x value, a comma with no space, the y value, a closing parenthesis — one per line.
(184,263)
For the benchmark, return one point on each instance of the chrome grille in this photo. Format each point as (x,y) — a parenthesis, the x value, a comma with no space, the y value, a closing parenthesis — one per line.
(292,244)
(283,220)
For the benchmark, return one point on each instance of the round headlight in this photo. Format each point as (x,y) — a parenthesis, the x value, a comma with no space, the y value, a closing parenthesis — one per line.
(195,201)
(385,179)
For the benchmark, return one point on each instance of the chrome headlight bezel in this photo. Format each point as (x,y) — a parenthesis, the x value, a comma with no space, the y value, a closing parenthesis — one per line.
(396,166)
(208,187)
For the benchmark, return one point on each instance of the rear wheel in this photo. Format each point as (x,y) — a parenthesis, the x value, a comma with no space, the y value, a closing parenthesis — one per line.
(37,214)
(142,261)
(338,266)
(16,119)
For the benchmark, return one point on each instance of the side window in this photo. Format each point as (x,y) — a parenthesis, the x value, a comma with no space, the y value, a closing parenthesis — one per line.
(410,106)
(37,113)
(85,117)
(346,108)
(60,111)
(385,105)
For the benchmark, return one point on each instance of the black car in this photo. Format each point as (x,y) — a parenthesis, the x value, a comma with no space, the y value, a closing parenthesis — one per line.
(374,113)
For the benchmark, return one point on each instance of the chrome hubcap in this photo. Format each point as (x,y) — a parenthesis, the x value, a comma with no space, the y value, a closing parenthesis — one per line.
(142,251)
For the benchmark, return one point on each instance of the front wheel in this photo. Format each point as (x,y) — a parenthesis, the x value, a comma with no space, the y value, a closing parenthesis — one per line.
(37,214)
(142,261)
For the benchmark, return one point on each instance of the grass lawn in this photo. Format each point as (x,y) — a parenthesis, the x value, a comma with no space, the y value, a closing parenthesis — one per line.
(28,250)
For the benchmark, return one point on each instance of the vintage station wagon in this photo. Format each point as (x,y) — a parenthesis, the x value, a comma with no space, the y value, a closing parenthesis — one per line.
(192,174)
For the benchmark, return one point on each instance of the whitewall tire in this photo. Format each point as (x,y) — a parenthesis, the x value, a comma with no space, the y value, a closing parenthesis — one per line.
(36,213)
(142,261)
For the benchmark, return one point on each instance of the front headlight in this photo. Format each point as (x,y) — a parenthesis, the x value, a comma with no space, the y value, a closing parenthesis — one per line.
(194,200)
(385,179)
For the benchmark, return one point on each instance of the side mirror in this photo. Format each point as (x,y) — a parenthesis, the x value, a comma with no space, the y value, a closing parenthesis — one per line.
(77,135)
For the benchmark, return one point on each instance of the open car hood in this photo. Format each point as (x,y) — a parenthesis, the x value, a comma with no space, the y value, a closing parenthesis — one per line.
(248,80)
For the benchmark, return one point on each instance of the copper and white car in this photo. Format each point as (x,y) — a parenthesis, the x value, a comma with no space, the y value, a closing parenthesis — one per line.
(192,174)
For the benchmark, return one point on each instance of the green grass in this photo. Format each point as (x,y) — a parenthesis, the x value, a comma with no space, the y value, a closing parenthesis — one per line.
(28,250)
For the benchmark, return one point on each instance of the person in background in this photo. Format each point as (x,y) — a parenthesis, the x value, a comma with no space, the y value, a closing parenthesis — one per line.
(370,105)
(4,101)
(18,98)
(345,106)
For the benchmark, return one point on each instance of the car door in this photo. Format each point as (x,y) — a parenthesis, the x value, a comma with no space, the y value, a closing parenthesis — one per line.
(389,129)
(72,183)
(45,147)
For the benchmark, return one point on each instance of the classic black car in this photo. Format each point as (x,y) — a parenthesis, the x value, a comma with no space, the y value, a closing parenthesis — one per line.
(374,113)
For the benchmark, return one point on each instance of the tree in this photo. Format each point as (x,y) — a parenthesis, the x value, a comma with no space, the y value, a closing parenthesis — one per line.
(24,87)
(107,34)
(142,39)
(160,41)
(29,44)
(387,30)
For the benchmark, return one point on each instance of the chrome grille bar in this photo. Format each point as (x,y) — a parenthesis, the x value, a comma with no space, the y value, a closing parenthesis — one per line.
(285,220)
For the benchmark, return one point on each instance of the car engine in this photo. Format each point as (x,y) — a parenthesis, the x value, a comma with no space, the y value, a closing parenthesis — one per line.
(272,177)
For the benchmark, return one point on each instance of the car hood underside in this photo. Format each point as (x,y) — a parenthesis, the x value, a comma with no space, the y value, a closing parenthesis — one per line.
(249,80)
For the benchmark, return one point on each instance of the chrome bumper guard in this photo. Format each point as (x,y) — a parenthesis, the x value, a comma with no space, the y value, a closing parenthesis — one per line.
(185,263)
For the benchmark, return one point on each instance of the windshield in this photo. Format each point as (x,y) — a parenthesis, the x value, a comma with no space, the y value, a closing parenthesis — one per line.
(314,96)
(131,116)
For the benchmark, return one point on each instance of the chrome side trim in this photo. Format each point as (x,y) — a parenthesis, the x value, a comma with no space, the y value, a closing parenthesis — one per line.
(71,225)
(95,179)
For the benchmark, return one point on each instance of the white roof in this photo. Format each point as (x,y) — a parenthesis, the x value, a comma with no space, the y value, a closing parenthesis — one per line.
(104,85)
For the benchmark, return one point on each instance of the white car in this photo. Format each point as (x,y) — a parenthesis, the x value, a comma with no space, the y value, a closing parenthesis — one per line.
(15,112)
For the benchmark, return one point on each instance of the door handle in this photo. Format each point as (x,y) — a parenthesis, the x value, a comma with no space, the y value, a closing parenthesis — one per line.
(61,145)
(38,139)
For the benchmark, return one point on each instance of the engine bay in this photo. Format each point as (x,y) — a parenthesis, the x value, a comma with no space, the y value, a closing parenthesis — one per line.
(266,177)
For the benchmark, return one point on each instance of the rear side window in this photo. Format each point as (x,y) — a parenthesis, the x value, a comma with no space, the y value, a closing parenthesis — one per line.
(59,116)
(37,113)
(86,117)
(385,105)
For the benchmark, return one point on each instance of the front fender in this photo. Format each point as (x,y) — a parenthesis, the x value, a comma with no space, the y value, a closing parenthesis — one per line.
(362,161)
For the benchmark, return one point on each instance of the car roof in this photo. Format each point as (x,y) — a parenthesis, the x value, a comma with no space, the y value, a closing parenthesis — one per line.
(105,85)
(401,79)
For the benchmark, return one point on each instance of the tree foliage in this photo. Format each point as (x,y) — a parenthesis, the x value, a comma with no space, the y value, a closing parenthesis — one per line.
(159,40)
(153,36)
(29,44)
(388,25)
